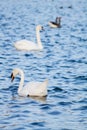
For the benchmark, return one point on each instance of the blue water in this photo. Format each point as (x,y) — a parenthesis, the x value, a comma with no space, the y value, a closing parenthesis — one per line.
(63,61)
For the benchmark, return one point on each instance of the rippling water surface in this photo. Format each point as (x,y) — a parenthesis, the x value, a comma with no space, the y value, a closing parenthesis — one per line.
(63,61)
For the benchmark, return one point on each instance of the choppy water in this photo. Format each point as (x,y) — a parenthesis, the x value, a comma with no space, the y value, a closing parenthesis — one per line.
(63,61)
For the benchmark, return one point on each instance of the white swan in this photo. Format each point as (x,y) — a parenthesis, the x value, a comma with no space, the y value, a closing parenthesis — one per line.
(29,45)
(32,88)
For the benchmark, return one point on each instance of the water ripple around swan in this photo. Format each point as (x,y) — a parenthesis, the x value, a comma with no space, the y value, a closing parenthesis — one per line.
(63,61)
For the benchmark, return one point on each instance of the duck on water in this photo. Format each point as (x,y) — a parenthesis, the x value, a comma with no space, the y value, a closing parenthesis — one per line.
(56,24)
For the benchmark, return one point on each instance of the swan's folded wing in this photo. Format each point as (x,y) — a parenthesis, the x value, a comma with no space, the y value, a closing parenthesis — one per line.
(37,88)
(25,45)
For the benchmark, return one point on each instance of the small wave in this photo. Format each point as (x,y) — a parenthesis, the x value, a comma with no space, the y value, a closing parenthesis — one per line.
(81,78)
(45,106)
(84,100)
(54,113)
(57,89)
(65,103)
(38,123)
(81,108)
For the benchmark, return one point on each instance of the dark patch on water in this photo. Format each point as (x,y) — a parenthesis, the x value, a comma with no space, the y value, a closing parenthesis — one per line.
(54,113)
(81,78)
(65,103)
(41,124)
(45,106)
(57,89)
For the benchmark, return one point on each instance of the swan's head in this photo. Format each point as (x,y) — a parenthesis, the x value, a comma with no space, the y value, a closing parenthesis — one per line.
(14,73)
(39,27)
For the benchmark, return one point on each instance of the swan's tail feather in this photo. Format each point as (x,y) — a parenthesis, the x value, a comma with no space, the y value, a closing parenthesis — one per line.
(46,81)
(43,88)
(44,84)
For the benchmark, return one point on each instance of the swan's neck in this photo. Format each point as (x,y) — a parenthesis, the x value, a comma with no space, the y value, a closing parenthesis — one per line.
(38,39)
(21,81)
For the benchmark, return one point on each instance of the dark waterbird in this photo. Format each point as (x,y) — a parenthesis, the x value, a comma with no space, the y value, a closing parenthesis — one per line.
(56,24)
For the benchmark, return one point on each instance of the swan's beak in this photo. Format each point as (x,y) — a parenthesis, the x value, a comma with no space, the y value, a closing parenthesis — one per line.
(12,77)
(42,28)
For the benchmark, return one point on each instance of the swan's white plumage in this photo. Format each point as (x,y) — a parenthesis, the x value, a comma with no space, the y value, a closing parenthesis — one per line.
(34,89)
(31,88)
(29,45)
(24,45)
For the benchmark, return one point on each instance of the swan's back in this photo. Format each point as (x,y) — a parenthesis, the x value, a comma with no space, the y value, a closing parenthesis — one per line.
(36,88)
(25,45)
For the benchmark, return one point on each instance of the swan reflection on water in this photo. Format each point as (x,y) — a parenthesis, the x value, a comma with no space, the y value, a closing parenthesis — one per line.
(16,97)
(41,99)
